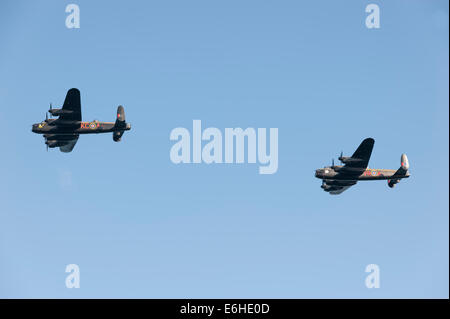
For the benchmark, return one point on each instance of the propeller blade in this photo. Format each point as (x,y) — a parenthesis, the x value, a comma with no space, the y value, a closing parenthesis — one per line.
(342,153)
(51,114)
(332,162)
(46,117)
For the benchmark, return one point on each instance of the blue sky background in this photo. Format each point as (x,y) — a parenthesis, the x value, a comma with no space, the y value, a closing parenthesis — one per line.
(140,226)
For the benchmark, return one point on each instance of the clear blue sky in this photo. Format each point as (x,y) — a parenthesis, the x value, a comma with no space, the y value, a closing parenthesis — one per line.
(140,226)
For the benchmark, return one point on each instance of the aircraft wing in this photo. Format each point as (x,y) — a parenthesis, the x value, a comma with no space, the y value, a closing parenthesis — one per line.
(66,143)
(335,187)
(340,190)
(360,159)
(69,146)
(72,106)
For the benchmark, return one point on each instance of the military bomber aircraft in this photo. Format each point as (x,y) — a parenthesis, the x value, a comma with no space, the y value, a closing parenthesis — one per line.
(64,131)
(338,178)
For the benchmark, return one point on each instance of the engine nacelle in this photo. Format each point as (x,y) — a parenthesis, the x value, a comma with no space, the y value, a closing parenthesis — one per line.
(54,111)
(59,111)
(344,159)
(325,186)
(55,143)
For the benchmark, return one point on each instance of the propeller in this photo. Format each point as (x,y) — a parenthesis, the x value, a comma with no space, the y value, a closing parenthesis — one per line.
(46,117)
(340,156)
(332,162)
(51,114)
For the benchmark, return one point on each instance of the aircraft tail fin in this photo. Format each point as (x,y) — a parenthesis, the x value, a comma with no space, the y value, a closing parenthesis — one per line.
(120,119)
(401,172)
(121,125)
(404,167)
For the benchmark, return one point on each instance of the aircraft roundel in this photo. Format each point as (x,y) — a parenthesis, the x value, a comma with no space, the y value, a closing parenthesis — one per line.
(92,125)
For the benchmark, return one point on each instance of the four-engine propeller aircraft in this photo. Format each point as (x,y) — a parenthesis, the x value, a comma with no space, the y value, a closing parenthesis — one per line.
(64,131)
(338,178)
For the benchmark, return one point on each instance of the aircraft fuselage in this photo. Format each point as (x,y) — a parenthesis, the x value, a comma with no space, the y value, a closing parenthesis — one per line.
(95,127)
(335,173)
